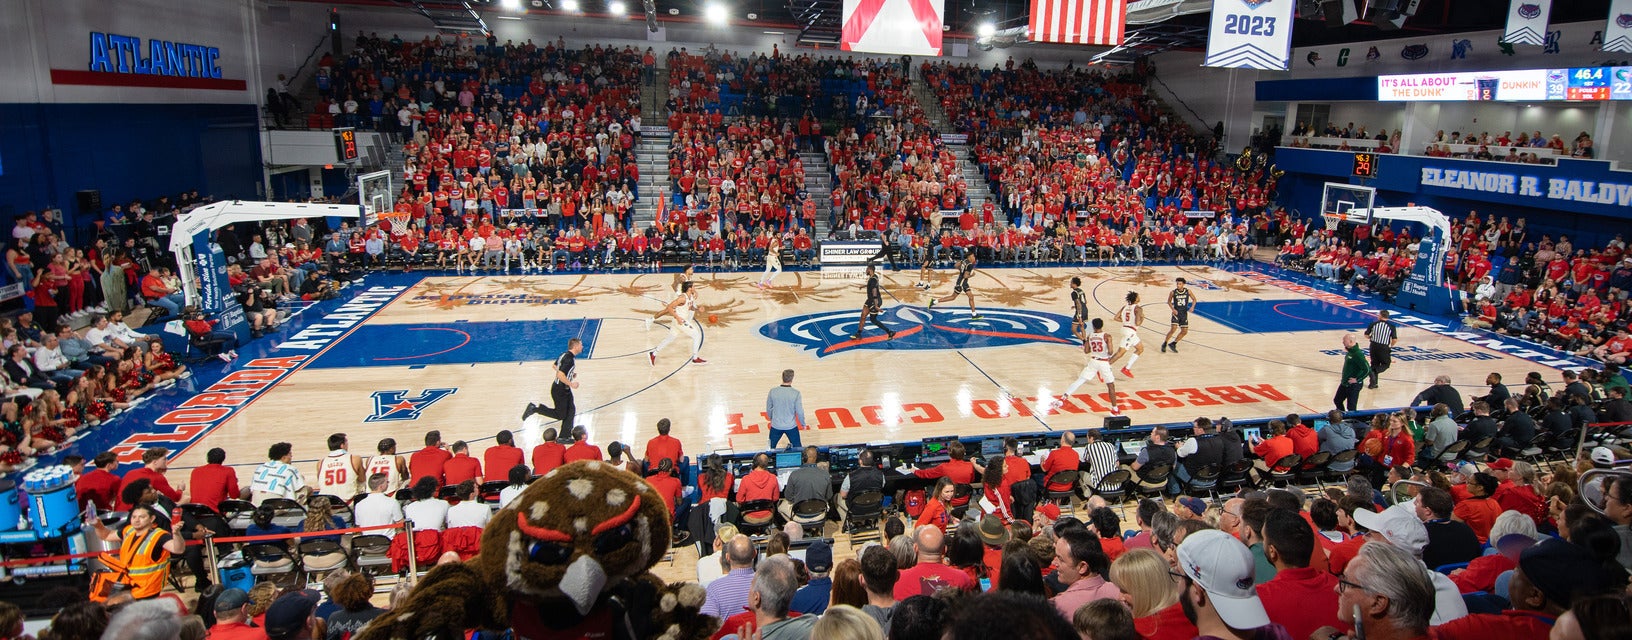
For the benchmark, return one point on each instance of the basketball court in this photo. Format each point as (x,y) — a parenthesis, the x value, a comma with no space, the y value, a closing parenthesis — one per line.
(407,353)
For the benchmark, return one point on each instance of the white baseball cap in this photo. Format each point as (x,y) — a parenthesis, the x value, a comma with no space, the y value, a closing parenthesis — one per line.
(1603,456)
(1224,569)
(1398,524)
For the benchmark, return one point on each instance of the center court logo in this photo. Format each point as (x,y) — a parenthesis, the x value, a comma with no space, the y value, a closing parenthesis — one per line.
(393,406)
(919,329)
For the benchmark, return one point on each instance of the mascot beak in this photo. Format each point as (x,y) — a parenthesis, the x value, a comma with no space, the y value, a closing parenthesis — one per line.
(583,583)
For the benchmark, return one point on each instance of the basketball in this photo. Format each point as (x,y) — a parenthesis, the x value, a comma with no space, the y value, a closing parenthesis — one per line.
(713,319)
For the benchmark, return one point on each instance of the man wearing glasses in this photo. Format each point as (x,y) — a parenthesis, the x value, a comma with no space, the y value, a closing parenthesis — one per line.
(1399,527)
(1384,594)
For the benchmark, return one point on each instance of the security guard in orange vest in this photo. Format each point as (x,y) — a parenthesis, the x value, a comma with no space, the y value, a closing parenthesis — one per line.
(143,560)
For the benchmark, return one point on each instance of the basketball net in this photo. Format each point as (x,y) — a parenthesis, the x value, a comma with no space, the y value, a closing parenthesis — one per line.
(394,222)
(1332,220)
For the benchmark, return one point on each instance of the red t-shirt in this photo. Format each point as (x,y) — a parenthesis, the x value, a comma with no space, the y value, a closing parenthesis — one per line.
(159,484)
(704,494)
(668,487)
(213,483)
(1273,449)
(1167,624)
(460,468)
(582,451)
(499,459)
(98,486)
(1302,600)
(1507,625)
(661,447)
(925,578)
(548,456)
(1479,514)
(1339,558)
(428,462)
(1060,459)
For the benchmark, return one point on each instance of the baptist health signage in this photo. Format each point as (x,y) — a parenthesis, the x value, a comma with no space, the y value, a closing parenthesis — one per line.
(1566,189)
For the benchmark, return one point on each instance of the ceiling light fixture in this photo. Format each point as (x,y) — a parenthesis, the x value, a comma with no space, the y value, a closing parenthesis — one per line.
(716,13)
(616,7)
(986,29)
(510,5)
(569,5)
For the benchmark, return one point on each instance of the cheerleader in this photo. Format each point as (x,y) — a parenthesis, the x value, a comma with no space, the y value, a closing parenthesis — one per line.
(14,446)
(41,434)
(108,385)
(132,376)
(55,414)
(161,364)
(104,387)
(81,404)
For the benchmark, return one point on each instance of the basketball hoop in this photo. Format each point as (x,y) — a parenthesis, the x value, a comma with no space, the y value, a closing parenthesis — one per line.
(1332,220)
(394,222)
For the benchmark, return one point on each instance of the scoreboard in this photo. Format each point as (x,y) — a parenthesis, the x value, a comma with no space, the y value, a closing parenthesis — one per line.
(1581,84)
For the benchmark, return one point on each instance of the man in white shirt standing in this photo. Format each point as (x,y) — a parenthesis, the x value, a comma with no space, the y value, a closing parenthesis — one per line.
(276,478)
(378,507)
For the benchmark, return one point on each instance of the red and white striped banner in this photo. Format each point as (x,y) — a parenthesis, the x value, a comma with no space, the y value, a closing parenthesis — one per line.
(1096,22)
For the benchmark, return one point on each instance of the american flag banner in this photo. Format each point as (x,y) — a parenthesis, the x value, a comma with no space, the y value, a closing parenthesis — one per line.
(1096,22)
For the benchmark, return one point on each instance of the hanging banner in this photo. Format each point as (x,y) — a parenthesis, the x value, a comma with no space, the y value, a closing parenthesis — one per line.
(1618,35)
(1527,22)
(896,27)
(1250,34)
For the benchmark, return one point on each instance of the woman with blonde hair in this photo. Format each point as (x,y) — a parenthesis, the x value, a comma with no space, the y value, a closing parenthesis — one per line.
(844,622)
(1150,591)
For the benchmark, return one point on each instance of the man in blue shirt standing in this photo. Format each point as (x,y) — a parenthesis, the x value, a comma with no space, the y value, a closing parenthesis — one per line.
(787,411)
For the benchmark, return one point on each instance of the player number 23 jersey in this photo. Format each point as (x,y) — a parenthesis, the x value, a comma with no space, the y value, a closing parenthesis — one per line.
(1099,346)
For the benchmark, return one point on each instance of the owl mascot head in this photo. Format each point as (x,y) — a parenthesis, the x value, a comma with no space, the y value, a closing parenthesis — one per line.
(568,558)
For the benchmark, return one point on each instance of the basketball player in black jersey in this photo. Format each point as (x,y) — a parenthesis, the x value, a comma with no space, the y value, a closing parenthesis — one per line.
(1180,301)
(1079,306)
(966,271)
(871,308)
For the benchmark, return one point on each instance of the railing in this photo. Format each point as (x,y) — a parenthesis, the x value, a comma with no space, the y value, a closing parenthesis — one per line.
(294,80)
(1182,103)
(1547,155)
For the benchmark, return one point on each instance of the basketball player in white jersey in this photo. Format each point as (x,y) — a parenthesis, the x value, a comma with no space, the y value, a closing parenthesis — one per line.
(339,474)
(773,262)
(684,312)
(1097,344)
(680,279)
(389,463)
(1131,316)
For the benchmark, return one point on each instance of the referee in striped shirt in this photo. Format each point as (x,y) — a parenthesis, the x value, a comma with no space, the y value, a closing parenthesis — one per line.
(1383,337)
